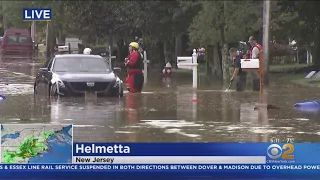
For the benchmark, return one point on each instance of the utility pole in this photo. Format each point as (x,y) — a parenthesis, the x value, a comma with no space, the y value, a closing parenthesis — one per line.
(48,40)
(4,18)
(263,110)
(33,31)
(266,41)
(47,33)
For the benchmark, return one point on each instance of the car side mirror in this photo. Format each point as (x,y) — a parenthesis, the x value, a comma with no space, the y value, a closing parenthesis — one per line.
(116,69)
(43,69)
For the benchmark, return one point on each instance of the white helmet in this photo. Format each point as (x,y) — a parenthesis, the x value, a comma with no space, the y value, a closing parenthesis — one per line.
(87,51)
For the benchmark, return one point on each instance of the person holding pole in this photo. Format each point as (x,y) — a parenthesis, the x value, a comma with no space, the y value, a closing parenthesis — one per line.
(238,75)
(255,51)
(134,63)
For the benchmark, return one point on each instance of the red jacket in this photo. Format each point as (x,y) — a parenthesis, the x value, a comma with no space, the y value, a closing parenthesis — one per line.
(132,59)
(258,46)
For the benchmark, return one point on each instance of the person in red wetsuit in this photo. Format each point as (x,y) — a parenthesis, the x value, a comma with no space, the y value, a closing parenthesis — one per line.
(134,63)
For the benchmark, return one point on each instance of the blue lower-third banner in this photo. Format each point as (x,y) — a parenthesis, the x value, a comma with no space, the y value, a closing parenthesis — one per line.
(283,171)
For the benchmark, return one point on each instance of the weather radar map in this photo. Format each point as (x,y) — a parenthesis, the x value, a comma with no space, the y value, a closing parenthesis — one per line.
(30,143)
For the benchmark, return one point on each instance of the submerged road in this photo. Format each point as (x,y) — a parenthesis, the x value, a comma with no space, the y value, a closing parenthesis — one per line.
(165,112)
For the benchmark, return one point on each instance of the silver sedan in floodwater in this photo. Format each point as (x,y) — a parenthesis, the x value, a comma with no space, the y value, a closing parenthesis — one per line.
(77,74)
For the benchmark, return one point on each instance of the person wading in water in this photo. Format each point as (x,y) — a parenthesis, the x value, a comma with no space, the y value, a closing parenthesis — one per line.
(134,63)
(238,75)
(255,51)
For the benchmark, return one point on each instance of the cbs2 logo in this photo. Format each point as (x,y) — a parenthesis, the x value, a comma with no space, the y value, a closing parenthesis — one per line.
(275,151)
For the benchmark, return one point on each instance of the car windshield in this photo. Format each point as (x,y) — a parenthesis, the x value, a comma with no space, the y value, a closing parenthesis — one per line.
(18,39)
(81,64)
(24,39)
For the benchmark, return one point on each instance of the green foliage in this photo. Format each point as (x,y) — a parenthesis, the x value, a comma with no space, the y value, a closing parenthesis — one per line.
(286,24)
(303,18)
(157,19)
(307,24)
(100,18)
(240,23)
(160,21)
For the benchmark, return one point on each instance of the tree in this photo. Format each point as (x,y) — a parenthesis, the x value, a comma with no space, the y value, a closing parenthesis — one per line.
(175,17)
(308,23)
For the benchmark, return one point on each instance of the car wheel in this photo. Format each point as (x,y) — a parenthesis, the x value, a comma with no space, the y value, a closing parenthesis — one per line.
(121,92)
(116,92)
(53,90)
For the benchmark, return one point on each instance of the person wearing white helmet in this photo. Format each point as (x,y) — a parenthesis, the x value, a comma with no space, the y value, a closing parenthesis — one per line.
(87,51)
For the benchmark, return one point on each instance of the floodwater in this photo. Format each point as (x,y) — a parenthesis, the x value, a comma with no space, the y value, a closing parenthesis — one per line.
(167,111)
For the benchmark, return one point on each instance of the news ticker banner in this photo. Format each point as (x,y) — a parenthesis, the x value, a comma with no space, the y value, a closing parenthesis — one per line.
(160,167)
(152,171)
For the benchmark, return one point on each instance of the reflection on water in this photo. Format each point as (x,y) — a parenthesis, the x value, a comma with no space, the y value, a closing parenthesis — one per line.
(14,89)
(168,111)
(186,115)
(187,103)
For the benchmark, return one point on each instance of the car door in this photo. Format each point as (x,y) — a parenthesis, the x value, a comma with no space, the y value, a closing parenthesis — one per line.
(47,76)
(41,77)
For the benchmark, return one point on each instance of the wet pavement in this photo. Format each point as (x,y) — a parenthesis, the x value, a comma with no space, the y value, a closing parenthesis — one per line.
(167,111)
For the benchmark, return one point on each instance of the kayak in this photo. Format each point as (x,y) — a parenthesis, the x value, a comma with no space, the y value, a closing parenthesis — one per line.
(2,97)
(308,106)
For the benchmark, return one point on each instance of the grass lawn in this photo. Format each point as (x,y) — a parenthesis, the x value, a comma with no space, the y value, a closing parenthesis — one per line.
(286,67)
(286,72)
(42,48)
(301,80)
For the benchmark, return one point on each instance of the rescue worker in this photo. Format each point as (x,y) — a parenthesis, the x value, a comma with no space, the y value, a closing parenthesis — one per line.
(238,75)
(141,45)
(255,51)
(87,51)
(167,70)
(134,63)
(201,52)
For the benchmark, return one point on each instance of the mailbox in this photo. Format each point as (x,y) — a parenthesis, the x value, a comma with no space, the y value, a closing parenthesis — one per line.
(190,63)
(250,64)
(63,48)
(184,62)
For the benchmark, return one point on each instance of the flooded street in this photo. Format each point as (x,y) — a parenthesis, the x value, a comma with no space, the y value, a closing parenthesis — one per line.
(165,112)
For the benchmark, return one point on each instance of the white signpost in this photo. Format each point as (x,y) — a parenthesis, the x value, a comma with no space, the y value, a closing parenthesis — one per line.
(190,63)
(111,57)
(145,66)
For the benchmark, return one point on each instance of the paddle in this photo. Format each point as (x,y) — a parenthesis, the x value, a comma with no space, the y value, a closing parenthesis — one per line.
(229,86)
